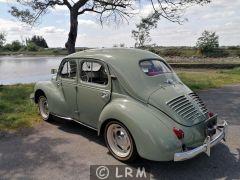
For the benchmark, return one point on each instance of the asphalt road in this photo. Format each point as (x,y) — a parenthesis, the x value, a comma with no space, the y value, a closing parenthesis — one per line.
(65,150)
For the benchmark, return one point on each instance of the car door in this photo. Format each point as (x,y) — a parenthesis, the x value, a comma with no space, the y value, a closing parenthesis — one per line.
(93,90)
(67,84)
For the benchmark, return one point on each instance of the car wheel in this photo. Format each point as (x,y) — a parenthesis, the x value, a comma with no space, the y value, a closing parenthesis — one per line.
(43,108)
(120,142)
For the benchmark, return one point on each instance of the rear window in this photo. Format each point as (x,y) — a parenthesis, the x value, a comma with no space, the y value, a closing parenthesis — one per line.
(154,67)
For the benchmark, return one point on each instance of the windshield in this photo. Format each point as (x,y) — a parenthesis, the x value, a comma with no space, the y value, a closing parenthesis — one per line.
(154,67)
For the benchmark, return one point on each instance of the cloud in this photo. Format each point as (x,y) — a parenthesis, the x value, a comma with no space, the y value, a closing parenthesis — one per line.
(216,15)
(60,8)
(19,31)
(6,1)
(50,30)
(88,23)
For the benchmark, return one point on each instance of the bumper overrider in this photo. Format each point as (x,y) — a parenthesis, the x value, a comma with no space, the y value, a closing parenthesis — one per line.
(209,142)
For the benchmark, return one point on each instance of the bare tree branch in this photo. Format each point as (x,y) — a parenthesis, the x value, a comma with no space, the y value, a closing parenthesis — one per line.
(107,10)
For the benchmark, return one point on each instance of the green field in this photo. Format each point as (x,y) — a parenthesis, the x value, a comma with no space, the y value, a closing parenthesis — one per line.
(204,79)
(17,111)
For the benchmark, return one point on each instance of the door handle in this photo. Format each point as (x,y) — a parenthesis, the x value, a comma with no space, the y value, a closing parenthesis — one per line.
(104,95)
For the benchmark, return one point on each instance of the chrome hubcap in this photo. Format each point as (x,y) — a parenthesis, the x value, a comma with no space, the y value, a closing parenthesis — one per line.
(43,108)
(118,140)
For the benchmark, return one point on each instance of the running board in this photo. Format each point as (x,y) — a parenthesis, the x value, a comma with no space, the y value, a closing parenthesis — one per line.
(71,119)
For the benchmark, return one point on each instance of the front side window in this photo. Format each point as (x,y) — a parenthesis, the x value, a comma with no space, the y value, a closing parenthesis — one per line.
(93,72)
(154,67)
(69,69)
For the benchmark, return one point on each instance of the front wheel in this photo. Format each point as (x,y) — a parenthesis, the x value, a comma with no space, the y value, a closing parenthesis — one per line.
(43,108)
(120,142)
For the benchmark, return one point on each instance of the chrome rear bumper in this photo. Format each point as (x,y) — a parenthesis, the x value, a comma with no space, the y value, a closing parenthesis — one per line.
(222,134)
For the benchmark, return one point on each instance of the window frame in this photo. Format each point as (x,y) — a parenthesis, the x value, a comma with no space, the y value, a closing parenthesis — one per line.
(151,59)
(82,60)
(59,77)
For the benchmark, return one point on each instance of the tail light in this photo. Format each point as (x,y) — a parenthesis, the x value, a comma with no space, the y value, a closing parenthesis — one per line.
(210,114)
(179,133)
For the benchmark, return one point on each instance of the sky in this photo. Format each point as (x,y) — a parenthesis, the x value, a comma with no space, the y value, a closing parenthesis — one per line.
(221,16)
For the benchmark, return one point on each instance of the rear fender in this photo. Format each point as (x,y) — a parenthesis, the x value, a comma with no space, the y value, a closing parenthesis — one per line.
(153,137)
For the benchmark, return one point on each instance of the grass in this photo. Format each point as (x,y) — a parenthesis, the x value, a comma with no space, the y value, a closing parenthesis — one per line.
(205,79)
(16,109)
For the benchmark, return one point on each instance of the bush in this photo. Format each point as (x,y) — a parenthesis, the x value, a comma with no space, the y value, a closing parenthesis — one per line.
(2,39)
(8,47)
(16,45)
(153,50)
(38,40)
(32,47)
(216,53)
(171,52)
(238,54)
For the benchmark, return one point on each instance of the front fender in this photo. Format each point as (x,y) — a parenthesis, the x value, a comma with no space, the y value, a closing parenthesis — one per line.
(56,100)
(152,134)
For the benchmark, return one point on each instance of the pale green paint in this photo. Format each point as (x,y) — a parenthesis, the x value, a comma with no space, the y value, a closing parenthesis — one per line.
(135,99)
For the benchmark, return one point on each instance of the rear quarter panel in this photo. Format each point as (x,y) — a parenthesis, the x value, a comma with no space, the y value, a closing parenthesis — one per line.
(152,134)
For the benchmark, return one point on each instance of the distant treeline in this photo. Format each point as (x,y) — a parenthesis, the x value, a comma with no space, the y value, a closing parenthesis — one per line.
(30,44)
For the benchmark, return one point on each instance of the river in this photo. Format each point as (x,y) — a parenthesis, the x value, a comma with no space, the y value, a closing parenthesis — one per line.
(20,69)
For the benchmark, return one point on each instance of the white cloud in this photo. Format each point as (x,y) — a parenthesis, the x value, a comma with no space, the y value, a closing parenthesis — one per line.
(20,31)
(6,1)
(50,30)
(60,8)
(216,15)
(88,23)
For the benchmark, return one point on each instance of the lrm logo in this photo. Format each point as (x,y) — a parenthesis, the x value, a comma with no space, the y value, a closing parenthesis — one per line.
(119,172)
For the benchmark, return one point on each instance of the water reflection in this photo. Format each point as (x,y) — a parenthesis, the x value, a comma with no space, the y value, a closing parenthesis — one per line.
(26,69)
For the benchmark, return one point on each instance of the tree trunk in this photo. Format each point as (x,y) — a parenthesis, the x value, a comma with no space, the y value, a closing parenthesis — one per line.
(72,36)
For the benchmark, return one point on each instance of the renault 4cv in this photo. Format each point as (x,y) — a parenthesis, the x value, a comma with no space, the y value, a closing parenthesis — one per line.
(135,100)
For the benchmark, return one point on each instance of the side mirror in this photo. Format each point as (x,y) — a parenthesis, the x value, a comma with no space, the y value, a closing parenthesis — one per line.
(53,71)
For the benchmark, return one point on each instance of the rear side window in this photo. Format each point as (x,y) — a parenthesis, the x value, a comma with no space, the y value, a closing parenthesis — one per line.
(93,72)
(154,67)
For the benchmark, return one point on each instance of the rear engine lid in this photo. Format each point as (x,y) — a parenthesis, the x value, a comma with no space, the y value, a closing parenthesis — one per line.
(186,108)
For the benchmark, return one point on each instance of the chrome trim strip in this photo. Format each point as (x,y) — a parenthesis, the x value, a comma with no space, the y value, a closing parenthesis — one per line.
(70,119)
(181,156)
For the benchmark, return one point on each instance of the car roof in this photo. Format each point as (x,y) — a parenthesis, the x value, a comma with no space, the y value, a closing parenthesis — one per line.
(116,56)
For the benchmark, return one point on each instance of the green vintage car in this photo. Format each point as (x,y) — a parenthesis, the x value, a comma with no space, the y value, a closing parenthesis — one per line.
(135,100)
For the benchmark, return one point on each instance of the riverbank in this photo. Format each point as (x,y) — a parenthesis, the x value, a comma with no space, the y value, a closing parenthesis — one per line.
(39,52)
(45,52)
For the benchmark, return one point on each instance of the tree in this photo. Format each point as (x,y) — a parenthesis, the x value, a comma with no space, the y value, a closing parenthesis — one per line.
(2,38)
(37,40)
(142,34)
(107,10)
(31,46)
(16,45)
(208,42)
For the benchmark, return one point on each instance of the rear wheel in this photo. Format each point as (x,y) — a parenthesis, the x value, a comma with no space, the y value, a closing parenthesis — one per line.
(43,108)
(120,142)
